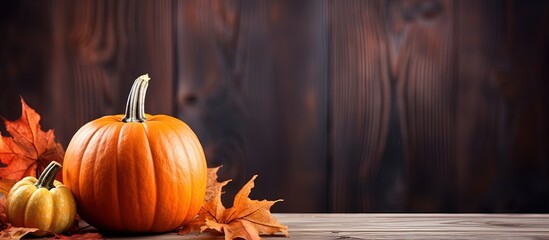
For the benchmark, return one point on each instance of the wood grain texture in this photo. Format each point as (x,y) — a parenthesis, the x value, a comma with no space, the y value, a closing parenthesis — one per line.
(99,48)
(415,226)
(499,88)
(399,226)
(421,37)
(345,106)
(300,105)
(523,90)
(24,56)
(207,34)
(480,102)
(422,98)
(252,83)
(359,101)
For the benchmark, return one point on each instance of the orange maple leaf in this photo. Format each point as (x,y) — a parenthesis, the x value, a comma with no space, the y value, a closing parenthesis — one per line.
(26,153)
(5,185)
(29,149)
(247,219)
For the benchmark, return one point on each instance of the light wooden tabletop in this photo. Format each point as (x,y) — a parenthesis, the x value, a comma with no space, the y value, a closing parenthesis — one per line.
(399,226)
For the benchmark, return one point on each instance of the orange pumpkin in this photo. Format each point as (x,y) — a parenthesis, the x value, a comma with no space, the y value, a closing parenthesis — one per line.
(136,172)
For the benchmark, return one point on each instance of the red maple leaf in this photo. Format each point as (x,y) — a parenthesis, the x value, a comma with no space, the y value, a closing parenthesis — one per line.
(28,149)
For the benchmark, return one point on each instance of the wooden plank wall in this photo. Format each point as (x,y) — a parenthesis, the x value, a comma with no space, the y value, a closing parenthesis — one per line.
(339,106)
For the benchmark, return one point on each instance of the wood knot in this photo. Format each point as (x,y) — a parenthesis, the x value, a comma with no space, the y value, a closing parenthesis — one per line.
(429,9)
(426,10)
(190,99)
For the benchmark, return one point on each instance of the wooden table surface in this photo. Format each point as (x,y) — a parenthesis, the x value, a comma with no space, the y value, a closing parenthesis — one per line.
(400,226)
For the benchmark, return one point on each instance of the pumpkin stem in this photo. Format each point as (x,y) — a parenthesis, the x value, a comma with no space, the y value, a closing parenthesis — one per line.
(135,107)
(48,176)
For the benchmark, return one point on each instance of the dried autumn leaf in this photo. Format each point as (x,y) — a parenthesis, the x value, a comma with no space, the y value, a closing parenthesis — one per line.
(29,149)
(15,233)
(247,218)
(251,213)
(212,184)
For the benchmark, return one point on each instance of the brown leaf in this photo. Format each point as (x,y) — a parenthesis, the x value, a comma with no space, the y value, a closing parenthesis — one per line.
(29,149)
(15,233)
(247,218)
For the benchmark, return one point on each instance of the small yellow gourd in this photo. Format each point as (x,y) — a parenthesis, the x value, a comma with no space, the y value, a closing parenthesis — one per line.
(42,203)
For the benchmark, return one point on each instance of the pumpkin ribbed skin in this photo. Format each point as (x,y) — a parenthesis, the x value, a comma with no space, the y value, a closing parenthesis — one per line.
(136,176)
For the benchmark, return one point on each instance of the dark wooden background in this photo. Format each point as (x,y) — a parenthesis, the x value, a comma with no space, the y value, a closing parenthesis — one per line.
(339,106)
